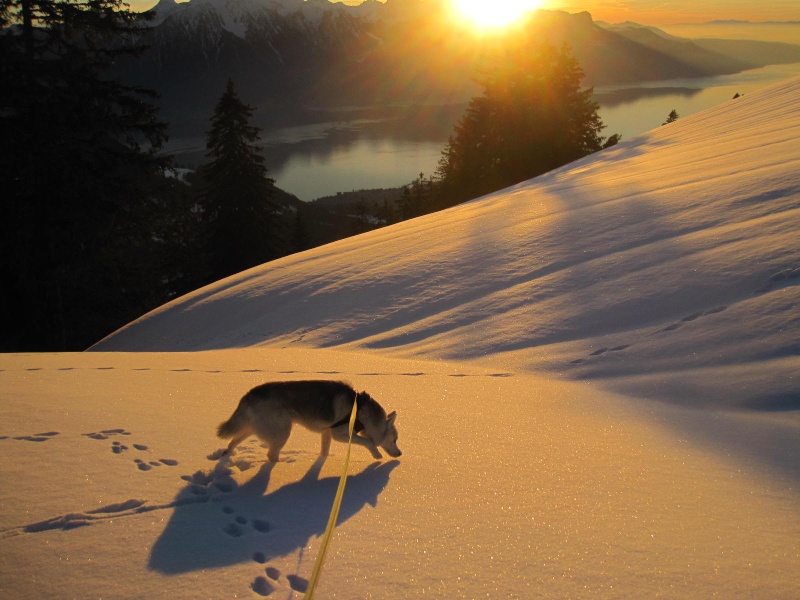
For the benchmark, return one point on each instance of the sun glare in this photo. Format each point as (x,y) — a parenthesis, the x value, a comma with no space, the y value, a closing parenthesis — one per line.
(488,14)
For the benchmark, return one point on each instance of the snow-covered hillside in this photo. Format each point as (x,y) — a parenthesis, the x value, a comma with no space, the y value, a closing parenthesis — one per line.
(669,263)
(524,339)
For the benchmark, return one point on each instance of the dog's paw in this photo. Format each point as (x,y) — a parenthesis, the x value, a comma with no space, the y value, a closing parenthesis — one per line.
(219,453)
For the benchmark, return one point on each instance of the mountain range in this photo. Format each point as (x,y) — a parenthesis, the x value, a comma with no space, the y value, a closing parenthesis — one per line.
(287,56)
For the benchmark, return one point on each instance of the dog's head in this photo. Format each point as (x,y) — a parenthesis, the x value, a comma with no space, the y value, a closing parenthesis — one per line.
(389,442)
(378,426)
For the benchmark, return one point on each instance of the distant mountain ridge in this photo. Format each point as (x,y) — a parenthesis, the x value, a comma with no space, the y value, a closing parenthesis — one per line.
(285,55)
(741,22)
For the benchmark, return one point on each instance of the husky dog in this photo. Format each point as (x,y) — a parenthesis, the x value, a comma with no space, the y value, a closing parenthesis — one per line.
(269,410)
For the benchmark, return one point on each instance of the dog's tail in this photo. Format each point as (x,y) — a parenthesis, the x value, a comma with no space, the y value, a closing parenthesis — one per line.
(238,421)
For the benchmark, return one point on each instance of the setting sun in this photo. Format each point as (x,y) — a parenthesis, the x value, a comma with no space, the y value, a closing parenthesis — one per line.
(494,13)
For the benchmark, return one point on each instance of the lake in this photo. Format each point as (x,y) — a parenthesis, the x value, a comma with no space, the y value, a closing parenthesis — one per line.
(381,147)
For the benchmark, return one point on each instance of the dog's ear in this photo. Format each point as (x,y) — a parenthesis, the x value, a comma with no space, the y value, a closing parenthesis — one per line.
(391,417)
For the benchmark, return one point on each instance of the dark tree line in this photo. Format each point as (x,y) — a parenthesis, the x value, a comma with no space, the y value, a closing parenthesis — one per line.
(82,182)
(95,230)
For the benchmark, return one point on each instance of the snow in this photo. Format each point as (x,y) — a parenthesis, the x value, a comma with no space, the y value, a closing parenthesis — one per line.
(595,372)
(236,15)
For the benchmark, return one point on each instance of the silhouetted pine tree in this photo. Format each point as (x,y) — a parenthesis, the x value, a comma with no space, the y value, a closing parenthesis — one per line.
(238,211)
(671,117)
(532,117)
(301,240)
(79,240)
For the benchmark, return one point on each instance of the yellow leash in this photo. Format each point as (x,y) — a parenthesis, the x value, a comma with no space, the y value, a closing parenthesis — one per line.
(337,504)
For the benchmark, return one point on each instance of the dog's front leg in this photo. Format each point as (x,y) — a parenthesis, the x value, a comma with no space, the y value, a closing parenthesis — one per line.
(326,442)
(340,434)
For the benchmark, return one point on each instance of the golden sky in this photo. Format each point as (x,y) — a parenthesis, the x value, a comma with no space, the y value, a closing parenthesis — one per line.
(649,12)
(656,12)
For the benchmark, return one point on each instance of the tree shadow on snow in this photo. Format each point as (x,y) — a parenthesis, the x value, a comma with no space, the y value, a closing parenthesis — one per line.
(216,523)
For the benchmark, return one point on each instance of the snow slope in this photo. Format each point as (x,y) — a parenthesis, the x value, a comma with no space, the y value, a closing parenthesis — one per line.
(669,263)
(524,339)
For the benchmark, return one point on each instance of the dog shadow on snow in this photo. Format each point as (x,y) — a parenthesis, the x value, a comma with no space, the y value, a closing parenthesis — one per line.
(216,522)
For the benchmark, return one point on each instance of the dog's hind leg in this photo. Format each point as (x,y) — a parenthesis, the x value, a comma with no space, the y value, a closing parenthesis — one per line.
(238,438)
(276,439)
(275,446)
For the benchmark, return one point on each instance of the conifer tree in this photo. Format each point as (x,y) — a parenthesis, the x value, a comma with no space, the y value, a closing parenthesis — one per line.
(239,213)
(301,240)
(671,117)
(531,117)
(78,250)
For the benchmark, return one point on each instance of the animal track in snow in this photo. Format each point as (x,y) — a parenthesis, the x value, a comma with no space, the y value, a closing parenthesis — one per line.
(692,317)
(262,586)
(118,447)
(38,437)
(261,526)
(266,584)
(240,524)
(481,375)
(73,520)
(781,279)
(106,433)
(297,583)
(203,483)
(600,352)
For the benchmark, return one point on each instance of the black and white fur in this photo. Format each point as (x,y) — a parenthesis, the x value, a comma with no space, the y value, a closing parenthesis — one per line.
(269,410)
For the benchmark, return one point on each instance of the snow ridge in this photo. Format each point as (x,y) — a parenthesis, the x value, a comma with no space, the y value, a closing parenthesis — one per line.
(628,247)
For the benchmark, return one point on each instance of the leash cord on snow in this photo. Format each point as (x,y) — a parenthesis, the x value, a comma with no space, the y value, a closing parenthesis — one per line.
(334,516)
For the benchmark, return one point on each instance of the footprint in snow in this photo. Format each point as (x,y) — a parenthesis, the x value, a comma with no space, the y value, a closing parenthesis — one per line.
(297,583)
(715,310)
(240,524)
(146,466)
(600,352)
(106,433)
(781,279)
(266,584)
(38,437)
(262,586)
(202,483)
(692,317)
(118,447)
